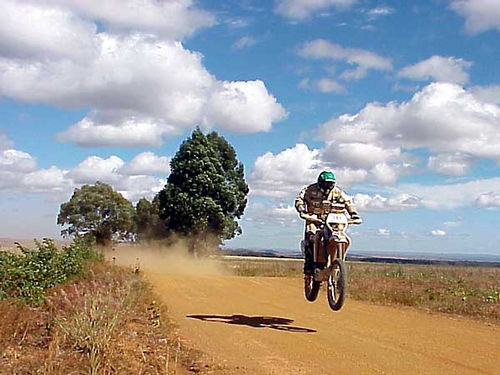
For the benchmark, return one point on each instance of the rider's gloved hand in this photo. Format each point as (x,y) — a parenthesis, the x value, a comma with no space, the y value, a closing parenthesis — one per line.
(355,216)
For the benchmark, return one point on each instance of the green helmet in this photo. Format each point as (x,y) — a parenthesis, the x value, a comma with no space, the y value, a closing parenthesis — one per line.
(326,180)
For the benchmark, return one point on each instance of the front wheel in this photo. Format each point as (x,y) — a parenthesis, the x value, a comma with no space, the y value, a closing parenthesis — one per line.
(337,285)
(311,288)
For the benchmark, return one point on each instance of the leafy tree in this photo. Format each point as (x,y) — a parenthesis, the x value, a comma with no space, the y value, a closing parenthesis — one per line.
(206,190)
(147,220)
(98,211)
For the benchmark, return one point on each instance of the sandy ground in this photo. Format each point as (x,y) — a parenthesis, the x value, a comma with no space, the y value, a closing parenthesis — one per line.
(257,326)
(265,326)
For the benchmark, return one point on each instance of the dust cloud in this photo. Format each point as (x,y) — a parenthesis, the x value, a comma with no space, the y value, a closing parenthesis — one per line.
(162,259)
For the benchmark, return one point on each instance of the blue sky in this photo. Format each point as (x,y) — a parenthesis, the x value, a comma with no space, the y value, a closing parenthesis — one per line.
(400,99)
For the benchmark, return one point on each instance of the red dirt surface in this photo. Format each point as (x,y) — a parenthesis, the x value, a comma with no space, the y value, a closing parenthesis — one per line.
(265,326)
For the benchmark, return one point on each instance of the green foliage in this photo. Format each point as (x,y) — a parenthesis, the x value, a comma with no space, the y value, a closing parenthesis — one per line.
(147,220)
(206,190)
(97,211)
(29,274)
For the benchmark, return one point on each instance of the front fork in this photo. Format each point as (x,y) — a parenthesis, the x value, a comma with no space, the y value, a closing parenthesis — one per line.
(324,246)
(325,252)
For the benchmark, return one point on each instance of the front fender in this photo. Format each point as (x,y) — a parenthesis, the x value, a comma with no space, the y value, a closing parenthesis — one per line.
(339,237)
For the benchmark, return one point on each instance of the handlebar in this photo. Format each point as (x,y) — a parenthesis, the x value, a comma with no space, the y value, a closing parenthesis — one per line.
(357,221)
(316,219)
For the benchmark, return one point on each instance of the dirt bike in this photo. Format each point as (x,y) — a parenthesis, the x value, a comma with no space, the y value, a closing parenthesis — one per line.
(329,252)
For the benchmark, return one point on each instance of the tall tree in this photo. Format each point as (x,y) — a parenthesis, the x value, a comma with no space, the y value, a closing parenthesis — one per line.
(206,190)
(99,211)
(147,220)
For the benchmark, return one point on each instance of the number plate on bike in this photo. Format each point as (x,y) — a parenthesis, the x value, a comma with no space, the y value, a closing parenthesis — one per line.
(336,218)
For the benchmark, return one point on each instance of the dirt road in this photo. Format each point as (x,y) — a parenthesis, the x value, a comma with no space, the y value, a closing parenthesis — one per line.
(265,326)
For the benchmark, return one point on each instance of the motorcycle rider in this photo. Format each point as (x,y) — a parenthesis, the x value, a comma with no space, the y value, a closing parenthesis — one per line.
(311,201)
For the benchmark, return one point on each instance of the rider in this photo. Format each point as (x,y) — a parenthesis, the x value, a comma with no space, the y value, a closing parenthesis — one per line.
(310,201)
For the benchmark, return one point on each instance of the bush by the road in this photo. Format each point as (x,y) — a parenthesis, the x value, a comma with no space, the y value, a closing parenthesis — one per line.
(27,275)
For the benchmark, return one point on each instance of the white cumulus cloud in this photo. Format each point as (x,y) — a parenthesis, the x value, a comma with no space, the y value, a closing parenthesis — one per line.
(480,15)
(488,94)
(269,214)
(438,68)
(243,107)
(324,85)
(456,164)
(374,145)
(384,174)
(141,87)
(174,19)
(442,118)
(16,161)
(132,132)
(359,155)
(362,60)
(50,180)
(244,42)
(147,163)
(438,232)
(452,196)
(378,203)
(327,85)
(28,29)
(300,9)
(379,11)
(136,179)
(283,174)
(489,200)
(95,168)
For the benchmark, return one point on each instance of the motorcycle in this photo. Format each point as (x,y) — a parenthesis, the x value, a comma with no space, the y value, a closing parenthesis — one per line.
(329,252)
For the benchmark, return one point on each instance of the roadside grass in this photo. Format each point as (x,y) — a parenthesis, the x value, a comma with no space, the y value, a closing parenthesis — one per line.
(467,291)
(270,267)
(103,321)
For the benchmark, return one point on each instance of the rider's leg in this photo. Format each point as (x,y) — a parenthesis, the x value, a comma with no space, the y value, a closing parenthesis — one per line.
(308,254)
(309,249)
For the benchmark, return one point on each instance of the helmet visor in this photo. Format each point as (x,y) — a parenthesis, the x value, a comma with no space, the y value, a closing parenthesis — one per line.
(328,184)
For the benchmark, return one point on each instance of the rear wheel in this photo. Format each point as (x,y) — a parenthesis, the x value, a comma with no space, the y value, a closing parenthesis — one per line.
(311,288)
(337,285)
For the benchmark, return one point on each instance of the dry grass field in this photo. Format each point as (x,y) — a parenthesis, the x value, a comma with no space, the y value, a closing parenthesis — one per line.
(468,291)
(106,323)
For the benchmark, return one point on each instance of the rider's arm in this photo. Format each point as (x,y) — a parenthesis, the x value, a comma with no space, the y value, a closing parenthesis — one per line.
(300,203)
(351,208)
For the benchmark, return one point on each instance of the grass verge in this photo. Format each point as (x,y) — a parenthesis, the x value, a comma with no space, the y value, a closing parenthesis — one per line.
(466,291)
(103,321)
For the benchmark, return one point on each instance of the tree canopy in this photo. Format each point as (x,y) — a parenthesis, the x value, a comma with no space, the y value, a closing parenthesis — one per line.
(206,190)
(99,211)
(147,220)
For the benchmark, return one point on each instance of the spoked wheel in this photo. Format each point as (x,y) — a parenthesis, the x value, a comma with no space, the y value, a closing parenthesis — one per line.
(311,288)
(337,285)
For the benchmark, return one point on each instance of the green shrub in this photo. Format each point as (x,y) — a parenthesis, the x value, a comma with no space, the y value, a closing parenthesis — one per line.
(29,274)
